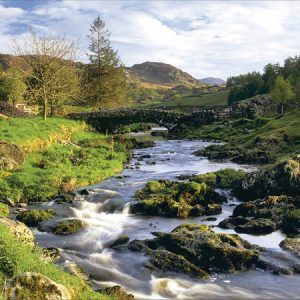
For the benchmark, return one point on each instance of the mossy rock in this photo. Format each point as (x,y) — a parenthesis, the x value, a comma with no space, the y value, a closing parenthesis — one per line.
(257,226)
(292,245)
(282,178)
(269,214)
(122,239)
(117,293)
(69,226)
(34,216)
(177,199)
(35,286)
(201,247)
(19,230)
(291,221)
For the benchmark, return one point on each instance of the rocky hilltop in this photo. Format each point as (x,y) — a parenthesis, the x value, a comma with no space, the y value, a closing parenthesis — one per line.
(161,74)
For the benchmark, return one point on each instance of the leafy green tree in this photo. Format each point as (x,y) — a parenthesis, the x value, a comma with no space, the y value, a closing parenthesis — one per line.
(282,92)
(105,80)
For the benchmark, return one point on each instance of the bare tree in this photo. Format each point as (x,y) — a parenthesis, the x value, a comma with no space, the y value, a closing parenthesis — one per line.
(48,63)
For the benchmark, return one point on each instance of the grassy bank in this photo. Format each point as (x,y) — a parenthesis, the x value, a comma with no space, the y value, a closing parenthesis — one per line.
(17,258)
(61,155)
(273,138)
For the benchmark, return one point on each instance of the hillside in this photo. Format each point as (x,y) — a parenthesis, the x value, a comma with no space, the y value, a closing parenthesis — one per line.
(161,74)
(212,81)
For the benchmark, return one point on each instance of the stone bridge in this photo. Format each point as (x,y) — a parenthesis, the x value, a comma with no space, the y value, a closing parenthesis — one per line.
(111,120)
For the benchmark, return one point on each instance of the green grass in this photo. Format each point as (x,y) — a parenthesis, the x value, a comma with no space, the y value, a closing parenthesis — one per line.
(71,156)
(17,258)
(34,133)
(217,98)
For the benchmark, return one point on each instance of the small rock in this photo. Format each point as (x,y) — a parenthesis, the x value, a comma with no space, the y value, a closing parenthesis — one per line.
(122,239)
(22,205)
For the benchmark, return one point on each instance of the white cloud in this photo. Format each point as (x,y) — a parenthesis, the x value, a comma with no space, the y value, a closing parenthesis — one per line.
(209,38)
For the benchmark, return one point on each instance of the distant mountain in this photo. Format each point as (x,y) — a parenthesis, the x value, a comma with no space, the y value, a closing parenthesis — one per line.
(158,73)
(212,81)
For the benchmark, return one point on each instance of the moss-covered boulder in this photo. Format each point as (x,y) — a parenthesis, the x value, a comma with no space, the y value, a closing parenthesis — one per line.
(34,216)
(68,226)
(35,286)
(19,230)
(282,178)
(177,199)
(201,247)
(223,179)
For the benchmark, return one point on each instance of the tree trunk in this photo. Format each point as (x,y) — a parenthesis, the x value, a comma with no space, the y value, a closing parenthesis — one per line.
(45,108)
(281,109)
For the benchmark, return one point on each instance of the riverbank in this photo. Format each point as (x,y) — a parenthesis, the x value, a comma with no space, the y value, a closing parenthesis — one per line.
(264,140)
(40,160)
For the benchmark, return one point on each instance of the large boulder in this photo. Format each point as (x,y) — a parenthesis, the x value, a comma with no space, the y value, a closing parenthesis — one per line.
(192,249)
(282,178)
(35,286)
(20,230)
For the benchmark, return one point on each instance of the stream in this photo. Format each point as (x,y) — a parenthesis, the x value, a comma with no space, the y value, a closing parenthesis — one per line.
(106,212)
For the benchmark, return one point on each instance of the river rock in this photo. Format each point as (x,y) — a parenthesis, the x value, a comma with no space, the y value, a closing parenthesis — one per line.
(278,179)
(279,262)
(51,254)
(20,230)
(68,226)
(201,247)
(231,222)
(117,292)
(74,269)
(257,226)
(35,286)
(292,245)
(121,240)
(266,215)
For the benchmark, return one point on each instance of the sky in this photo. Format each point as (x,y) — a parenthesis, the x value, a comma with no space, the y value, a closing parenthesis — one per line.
(203,38)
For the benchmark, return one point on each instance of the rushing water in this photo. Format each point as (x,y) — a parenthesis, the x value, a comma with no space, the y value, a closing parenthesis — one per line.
(105,211)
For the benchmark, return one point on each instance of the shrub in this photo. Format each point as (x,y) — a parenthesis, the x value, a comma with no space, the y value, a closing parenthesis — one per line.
(4,210)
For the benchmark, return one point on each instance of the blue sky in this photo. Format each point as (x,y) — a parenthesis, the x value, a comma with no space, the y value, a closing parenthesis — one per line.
(204,38)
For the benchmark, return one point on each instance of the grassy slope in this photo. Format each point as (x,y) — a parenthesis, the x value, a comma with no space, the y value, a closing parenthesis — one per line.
(280,135)
(61,155)
(218,98)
